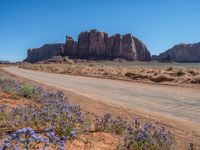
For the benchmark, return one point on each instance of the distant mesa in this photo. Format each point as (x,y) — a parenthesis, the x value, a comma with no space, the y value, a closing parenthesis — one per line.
(4,62)
(94,45)
(155,57)
(45,52)
(181,53)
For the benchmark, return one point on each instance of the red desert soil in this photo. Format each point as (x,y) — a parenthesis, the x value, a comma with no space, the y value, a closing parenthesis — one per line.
(94,141)
(12,102)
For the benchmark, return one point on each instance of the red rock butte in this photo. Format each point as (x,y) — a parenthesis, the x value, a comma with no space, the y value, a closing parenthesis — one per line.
(94,45)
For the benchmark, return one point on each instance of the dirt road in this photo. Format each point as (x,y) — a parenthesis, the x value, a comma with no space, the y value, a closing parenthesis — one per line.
(183,103)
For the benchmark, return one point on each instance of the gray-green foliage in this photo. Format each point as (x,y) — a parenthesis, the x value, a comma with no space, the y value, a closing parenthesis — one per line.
(11,91)
(7,89)
(28,91)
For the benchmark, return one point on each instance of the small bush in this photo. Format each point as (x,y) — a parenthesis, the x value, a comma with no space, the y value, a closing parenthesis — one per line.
(169,69)
(161,78)
(1,80)
(7,89)
(13,93)
(135,76)
(28,91)
(2,112)
(195,80)
(180,73)
(193,72)
(71,62)
(119,126)
(147,137)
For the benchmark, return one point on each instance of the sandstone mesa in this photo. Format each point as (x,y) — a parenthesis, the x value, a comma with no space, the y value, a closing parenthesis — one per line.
(94,45)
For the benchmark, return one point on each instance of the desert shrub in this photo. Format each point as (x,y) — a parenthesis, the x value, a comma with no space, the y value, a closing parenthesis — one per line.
(70,61)
(11,87)
(161,78)
(28,91)
(17,89)
(191,146)
(155,73)
(137,136)
(195,80)
(1,80)
(11,84)
(180,72)
(119,126)
(3,115)
(136,76)
(103,123)
(54,111)
(12,92)
(193,72)
(7,89)
(169,69)
(88,122)
(147,137)
(59,119)
(27,138)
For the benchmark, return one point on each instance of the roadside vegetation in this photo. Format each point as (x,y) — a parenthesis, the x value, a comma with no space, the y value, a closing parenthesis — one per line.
(48,121)
(32,118)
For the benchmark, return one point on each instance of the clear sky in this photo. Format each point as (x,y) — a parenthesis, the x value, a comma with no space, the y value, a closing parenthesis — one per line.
(160,24)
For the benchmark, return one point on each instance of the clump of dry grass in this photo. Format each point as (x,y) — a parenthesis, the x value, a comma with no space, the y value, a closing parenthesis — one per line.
(169,69)
(180,72)
(136,76)
(192,72)
(195,80)
(162,78)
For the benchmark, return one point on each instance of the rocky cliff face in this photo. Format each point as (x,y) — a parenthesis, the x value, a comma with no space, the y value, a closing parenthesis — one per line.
(94,45)
(155,57)
(98,45)
(182,53)
(45,52)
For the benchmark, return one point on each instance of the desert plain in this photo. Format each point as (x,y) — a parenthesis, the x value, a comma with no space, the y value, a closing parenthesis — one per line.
(183,78)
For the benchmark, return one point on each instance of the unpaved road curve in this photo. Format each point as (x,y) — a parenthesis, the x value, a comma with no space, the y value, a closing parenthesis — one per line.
(180,102)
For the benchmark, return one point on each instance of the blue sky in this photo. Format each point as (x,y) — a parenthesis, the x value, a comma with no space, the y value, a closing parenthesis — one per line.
(160,24)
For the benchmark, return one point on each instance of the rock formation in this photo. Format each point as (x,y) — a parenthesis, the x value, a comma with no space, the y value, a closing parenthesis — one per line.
(98,45)
(45,52)
(182,53)
(5,62)
(94,45)
(155,57)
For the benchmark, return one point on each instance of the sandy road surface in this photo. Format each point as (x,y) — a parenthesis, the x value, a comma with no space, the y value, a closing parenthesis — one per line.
(180,102)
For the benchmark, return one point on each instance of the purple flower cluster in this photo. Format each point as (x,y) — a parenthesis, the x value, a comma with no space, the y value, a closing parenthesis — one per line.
(17,87)
(56,120)
(9,84)
(27,138)
(103,123)
(136,135)
(147,137)
(117,126)
(55,111)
